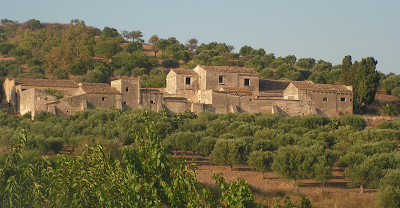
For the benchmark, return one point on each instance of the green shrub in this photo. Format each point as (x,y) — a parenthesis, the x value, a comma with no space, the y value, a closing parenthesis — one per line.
(396,92)
(170,63)
(36,72)
(261,160)
(133,46)
(356,122)
(389,189)
(206,145)
(262,145)
(61,73)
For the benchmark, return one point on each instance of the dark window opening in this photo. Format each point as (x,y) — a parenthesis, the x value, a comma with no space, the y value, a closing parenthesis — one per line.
(103,98)
(325,99)
(127,89)
(246,82)
(221,79)
(342,99)
(152,102)
(124,102)
(45,98)
(188,80)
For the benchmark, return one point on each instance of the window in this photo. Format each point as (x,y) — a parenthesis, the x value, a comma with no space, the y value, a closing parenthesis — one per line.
(188,80)
(127,89)
(246,82)
(124,102)
(325,99)
(152,102)
(72,100)
(103,98)
(221,79)
(342,99)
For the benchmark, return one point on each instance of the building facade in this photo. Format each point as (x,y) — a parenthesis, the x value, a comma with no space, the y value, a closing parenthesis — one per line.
(219,89)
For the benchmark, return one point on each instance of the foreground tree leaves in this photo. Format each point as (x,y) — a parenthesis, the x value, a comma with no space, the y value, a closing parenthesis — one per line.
(145,178)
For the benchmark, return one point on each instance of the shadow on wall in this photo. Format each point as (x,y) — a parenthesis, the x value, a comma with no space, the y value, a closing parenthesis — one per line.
(209,108)
(320,113)
(2,92)
(282,112)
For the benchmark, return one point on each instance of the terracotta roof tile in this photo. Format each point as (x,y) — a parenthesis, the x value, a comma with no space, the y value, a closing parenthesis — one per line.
(46,82)
(98,88)
(273,85)
(319,87)
(241,90)
(175,99)
(228,69)
(150,90)
(184,71)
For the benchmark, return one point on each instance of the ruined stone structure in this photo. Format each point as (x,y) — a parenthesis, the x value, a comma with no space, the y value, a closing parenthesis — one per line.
(219,89)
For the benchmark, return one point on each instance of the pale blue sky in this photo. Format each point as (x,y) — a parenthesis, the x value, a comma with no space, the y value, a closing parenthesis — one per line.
(327,30)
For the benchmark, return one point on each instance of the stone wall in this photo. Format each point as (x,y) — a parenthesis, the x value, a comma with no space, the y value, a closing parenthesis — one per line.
(130,91)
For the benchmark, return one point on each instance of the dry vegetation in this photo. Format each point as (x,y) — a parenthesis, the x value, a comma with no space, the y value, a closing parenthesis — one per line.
(270,187)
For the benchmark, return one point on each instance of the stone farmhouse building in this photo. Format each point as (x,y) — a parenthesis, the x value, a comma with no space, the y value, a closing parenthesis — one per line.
(219,89)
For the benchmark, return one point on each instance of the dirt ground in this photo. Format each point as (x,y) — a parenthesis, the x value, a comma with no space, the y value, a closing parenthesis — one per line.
(270,186)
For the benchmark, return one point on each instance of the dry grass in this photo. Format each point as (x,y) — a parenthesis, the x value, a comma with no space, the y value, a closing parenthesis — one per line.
(272,188)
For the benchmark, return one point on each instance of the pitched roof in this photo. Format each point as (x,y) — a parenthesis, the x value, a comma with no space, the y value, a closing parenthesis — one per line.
(229,69)
(319,87)
(184,71)
(46,82)
(273,85)
(241,90)
(98,88)
(175,99)
(150,90)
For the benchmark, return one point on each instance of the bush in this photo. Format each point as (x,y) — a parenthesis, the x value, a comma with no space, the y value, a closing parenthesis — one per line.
(133,46)
(262,145)
(16,72)
(36,72)
(228,152)
(388,125)
(170,63)
(396,92)
(389,189)
(43,144)
(33,23)
(206,145)
(5,48)
(33,62)
(95,76)
(61,73)
(261,160)
(355,122)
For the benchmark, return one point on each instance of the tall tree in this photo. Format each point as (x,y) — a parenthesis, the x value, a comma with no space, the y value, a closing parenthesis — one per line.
(246,50)
(153,39)
(125,34)
(76,47)
(364,78)
(156,45)
(347,76)
(136,35)
(192,44)
(109,32)
(367,81)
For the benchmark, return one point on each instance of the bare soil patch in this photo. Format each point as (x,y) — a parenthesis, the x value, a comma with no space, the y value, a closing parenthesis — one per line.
(270,187)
